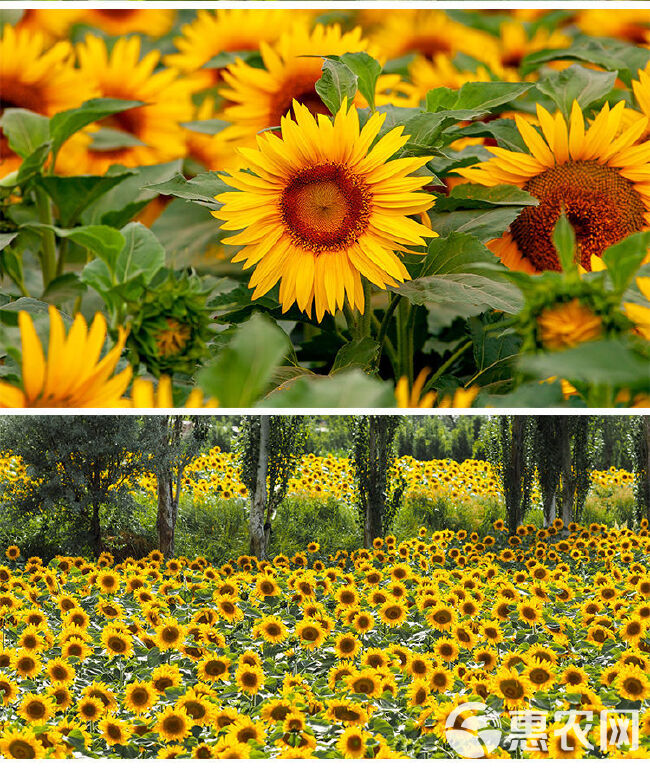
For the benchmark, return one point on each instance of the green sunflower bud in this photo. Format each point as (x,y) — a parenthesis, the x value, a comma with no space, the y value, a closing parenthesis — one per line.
(170,324)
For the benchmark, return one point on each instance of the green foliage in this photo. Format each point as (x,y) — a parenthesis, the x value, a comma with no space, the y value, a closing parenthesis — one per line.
(302,519)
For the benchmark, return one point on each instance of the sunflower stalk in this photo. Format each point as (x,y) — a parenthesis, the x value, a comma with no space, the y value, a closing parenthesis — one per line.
(446,365)
(48,257)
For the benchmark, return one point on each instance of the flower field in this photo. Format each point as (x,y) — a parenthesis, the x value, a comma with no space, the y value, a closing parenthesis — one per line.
(216,475)
(365,655)
(362,208)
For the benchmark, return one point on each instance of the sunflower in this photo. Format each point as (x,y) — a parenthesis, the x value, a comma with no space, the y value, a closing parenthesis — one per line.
(116,641)
(152,22)
(173,724)
(170,634)
(596,176)
(310,633)
(413,398)
(115,731)
(568,324)
(12,552)
(529,611)
(72,376)
(441,618)
(367,683)
(244,730)
(36,708)
(260,98)
(352,742)
(8,690)
(427,33)
(564,742)
(26,664)
(511,687)
(272,629)
(21,745)
(632,683)
(199,708)
(90,708)
(166,676)
(38,79)
(346,711)
(574,676)
(249,679)
(60,671)
(153,133)
(363,622)
(322,210)
(346,646)
(540,675)
(225,30)
(214,667)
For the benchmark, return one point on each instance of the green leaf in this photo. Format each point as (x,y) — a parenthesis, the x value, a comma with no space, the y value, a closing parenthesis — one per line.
(564,240)
(611,55)
(6,238)
(367,71)
(123,201)
(142,255)
(348,389)
(477,97)
(202,189)
(64,124)
(98,276)
(11,265)
(190,234)
(576,83)
(242,371)
(103,241)
(211,127)
(108,139)
(33,164)
(479,196)
(624,258)
(360,353)
(484,224)
(25,131)
(63,288)
(72,194)
(460,271)
(606,362)
(337,82)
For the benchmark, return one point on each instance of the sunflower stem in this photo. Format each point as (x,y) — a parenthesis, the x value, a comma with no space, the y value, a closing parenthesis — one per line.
(63,252)
(351,320)
(387,345)
(368,313)
(447,364)
(385,322)
(48,257)
(402,340)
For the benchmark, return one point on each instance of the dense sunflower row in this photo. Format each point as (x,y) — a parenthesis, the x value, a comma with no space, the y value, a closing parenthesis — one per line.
(363,171)
(216,474)
(361,656)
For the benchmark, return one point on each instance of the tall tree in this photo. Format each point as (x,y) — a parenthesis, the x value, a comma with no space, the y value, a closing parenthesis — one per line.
(82,464)
(512,456)
(372,452)
(172,442)
(641,434)
(269,450)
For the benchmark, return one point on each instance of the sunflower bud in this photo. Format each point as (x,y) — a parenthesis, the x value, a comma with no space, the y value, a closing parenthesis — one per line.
(169,325)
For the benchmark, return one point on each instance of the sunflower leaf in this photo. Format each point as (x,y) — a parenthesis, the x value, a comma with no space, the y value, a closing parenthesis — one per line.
(338,82)
(367,71)
(25,131)
(241,372)
(350,388)
(624,258)
(65,124)
(477,97)
(202,189)
(576,83)
(564,240)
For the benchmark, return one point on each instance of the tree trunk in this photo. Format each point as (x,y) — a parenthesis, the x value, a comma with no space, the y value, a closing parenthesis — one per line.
(377,464)
(645,491)
(167,510)
(568,484)
(550,509)
(517,471)
(258,539)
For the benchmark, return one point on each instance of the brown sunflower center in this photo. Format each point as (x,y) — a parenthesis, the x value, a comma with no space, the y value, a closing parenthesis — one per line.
(512,689)
(173,724)
(601,205)
(633,686)
(325,208)
(21,749)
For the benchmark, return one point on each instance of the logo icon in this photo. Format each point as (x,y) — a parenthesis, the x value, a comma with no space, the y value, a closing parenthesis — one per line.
(473,730)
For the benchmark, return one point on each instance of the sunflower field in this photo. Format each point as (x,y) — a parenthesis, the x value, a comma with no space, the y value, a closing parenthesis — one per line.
(358,208)
(364,655)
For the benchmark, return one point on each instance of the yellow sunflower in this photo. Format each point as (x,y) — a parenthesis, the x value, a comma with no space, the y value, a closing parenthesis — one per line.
(40,80)
(352,742)
(322,210)
(155,126)
(598,176)
(72,376)
(260,98)
(226,30)
(21,745)
(123,21)
(173,724)
(567,324)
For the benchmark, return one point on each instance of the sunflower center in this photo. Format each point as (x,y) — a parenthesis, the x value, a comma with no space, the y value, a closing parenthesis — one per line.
(601,205)
(325,208)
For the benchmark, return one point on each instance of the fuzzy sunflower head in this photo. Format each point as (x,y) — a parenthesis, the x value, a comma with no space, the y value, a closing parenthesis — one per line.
(597,176)
(323,210)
